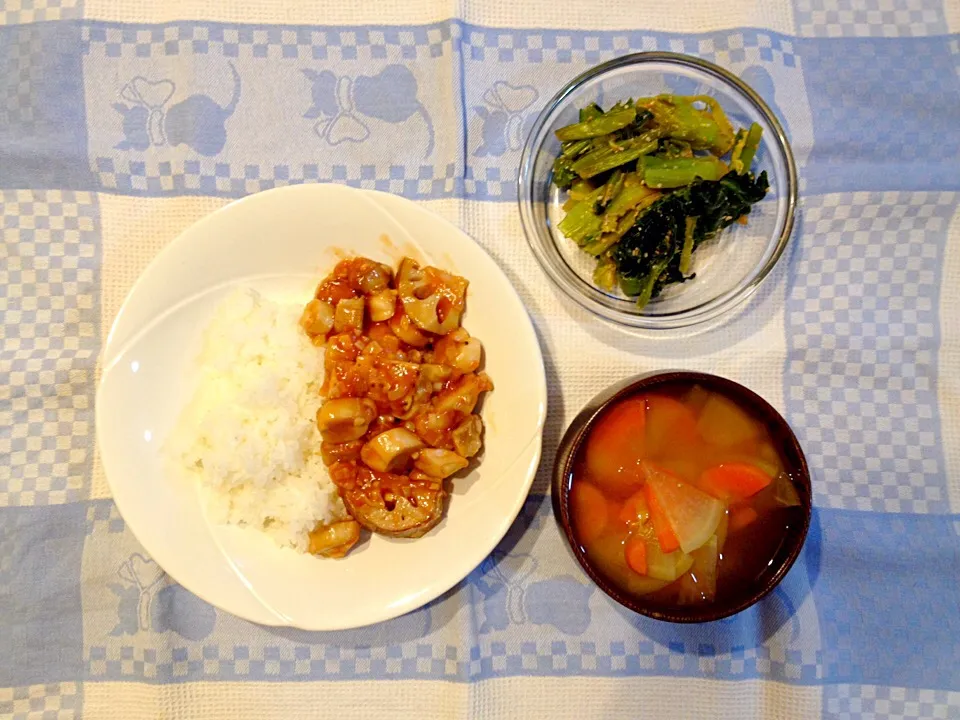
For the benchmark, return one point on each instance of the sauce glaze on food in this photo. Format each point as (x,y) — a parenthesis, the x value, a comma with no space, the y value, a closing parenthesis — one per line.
(402,382)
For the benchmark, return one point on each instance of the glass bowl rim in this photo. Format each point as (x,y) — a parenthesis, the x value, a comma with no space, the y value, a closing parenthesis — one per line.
(539,244)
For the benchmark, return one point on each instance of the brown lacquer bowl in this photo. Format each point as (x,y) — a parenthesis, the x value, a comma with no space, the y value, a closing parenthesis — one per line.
(736,596)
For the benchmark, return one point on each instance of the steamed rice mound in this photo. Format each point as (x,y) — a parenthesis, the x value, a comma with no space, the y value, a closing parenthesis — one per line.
(249,434)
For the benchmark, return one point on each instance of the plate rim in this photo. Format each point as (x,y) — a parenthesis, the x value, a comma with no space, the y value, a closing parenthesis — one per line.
(531,453)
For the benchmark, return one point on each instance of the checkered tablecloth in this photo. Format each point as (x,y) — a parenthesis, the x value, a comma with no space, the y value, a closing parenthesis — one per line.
(122,122)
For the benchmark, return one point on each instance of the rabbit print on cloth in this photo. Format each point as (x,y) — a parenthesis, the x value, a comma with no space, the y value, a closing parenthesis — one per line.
(343,106)
(197,121)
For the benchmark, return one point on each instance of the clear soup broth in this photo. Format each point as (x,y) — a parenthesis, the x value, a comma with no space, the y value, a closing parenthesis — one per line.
(681,495)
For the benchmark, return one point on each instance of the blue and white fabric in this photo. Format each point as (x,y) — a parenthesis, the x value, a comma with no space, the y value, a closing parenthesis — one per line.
(122,122)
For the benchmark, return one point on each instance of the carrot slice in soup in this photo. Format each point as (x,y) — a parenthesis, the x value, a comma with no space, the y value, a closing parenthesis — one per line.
(616,447)
(691,513)
(634,509)
(607,556)
(635,514)
(741,517)
(734,481)
(635,550)
(665,535)
(591,511)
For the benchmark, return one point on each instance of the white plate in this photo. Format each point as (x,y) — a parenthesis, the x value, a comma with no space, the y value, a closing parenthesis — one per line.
(282,242)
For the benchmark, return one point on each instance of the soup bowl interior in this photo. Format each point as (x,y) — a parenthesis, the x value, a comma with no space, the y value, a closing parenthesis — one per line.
(731,599)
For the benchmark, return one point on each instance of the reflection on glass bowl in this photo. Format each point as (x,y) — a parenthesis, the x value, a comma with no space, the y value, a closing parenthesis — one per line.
(729,268)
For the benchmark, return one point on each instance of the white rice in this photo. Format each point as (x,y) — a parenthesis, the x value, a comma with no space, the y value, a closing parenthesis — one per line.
(249,433)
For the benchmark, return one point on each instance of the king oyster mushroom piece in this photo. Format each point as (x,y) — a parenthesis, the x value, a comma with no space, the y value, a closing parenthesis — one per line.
(345,419)
(439,463)
(391,451)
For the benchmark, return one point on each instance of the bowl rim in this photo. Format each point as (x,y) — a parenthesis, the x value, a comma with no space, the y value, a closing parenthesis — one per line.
(577,432)
(706,311)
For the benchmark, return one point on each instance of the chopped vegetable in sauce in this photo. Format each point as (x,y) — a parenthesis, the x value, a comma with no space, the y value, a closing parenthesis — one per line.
(680,494)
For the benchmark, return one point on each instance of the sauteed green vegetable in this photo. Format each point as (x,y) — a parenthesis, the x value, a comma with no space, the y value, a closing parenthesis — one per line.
(648,181)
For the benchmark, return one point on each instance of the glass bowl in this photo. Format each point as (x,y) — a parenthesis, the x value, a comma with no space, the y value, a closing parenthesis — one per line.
(729,268)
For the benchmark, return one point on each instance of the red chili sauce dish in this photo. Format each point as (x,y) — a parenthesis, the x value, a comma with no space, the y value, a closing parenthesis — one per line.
(680,495)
